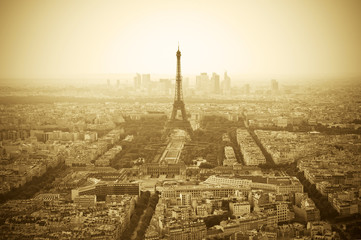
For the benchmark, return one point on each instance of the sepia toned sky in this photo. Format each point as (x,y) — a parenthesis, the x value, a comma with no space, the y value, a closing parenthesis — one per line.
(42,38)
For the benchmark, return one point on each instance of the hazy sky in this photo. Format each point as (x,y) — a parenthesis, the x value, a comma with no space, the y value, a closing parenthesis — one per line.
(255,37)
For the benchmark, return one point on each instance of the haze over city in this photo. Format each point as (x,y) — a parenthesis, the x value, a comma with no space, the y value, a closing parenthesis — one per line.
(180,120)
(290,40)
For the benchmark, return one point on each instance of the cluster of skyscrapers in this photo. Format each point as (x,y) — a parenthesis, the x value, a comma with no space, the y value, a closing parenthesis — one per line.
(207,85)
(143,83)
(204,84)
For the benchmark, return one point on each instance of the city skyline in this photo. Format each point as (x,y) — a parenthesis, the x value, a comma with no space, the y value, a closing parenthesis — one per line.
(271,40)
(249,129)
(119,162)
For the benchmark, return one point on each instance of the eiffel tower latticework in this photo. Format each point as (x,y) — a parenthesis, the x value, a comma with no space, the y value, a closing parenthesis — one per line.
(178,104)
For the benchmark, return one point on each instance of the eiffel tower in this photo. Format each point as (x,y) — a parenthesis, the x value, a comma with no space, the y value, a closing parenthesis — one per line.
(178,104)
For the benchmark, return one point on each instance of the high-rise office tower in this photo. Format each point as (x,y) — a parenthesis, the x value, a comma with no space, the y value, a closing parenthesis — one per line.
(274,86)
(198,82)
(226,86)
(165,86)
(215,83)
(202,83)
(137,81)
(146,81)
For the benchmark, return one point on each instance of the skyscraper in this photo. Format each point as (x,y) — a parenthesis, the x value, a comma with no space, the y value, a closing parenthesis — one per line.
(202,83)
(146,81)
(274,86)
(226,86)
(137,81)
(165,86)
(215,83)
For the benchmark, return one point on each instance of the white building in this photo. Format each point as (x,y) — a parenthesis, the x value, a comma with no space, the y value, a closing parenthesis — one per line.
(239,208)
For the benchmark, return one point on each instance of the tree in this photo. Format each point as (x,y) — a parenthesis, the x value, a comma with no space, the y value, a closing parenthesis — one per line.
(206,165)
(211,221)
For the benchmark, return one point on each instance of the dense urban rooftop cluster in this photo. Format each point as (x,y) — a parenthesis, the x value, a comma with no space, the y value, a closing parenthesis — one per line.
(252,155)
(267,164)
(53,218)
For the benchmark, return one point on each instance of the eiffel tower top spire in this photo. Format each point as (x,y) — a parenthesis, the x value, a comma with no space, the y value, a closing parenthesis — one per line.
(178,90)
